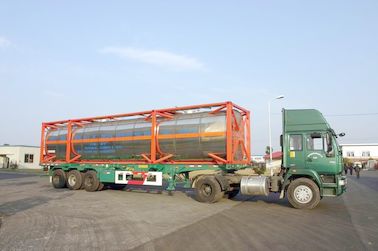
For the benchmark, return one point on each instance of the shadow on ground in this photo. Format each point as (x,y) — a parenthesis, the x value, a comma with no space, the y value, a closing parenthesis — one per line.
(21,183)
(370,182)
(189,192)
(12,207)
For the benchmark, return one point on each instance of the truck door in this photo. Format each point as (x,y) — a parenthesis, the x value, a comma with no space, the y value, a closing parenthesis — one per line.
(295,151)
(319,153)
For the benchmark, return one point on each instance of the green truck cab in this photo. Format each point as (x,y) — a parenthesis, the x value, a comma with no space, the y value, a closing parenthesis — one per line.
(312,159)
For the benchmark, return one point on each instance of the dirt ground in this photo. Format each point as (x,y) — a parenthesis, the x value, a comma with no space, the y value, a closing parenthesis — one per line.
(35,216)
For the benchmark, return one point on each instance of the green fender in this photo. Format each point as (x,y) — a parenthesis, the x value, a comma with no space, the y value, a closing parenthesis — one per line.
(303,173)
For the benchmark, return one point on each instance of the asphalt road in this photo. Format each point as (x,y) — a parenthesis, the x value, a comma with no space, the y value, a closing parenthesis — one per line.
(35,216)
(14,175)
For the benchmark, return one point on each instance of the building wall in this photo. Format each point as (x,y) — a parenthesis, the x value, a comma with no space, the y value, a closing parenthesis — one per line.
(258,159)
(360,151)
(16,154)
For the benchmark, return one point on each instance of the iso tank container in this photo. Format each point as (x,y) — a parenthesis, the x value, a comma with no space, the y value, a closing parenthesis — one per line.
(216,133)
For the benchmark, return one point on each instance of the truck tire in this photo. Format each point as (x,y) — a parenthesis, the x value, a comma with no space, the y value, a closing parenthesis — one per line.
(58,178)
(91,182)
(303,193)
(207,189)
(74,180)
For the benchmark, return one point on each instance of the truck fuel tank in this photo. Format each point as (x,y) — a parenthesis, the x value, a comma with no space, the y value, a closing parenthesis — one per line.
(254,185)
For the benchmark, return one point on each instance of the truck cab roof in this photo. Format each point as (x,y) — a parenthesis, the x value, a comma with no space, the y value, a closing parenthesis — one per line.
(303,120)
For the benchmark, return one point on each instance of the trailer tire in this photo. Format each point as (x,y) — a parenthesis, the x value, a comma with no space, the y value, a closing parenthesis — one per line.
(207,189)
(74,180)
(58,179)
(303,193)
(91,182)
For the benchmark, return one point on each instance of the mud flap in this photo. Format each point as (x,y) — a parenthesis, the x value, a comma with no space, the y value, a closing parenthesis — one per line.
(222,181)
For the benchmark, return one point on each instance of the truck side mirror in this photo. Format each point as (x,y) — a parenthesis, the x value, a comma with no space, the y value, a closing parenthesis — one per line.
(341,134)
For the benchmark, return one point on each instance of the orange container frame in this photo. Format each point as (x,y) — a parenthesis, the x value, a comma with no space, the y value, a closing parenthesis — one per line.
(238,136)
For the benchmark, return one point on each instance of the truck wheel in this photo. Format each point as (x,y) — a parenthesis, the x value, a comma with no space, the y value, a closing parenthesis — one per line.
(303,193)
(58,178)
(91,182)
(207,189)
(74,180)
(232,194)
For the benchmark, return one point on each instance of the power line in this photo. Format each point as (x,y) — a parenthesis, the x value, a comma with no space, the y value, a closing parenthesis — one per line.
(342,115)
(358,139)
(352,114)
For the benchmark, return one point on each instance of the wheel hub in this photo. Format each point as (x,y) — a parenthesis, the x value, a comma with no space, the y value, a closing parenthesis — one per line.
(303,194)
(72,180)
(89,181)
(207,190)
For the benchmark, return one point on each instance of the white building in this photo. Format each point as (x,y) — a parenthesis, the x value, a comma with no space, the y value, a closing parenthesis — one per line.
(257,159)
(360,152)
(18,156)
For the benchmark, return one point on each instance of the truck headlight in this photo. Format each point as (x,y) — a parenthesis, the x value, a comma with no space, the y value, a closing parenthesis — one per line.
(342,182)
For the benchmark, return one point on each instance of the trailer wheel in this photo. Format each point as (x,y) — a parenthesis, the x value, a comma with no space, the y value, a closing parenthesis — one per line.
(91,182)
(74,180)
(207,189)
(58,178)
(303,193)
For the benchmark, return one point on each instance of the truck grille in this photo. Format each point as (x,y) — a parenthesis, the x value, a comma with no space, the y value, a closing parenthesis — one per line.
(328,178)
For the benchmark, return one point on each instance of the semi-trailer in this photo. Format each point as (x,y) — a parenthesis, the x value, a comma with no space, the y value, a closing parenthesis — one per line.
(205,147)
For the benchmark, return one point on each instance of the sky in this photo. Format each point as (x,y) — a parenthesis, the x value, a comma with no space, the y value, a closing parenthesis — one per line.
(70,59)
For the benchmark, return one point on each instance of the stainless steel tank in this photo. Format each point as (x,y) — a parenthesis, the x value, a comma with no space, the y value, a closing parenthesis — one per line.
(185,146)
(254,185)
(188,136)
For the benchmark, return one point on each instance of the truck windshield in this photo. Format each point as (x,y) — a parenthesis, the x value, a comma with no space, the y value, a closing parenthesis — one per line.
(333,135)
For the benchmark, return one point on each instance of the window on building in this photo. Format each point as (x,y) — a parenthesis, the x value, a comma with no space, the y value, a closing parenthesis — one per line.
(29,158)
(350,154)
(366,154)
(295,142)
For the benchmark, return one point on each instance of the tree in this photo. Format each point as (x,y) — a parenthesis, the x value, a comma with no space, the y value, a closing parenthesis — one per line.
(268,150)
